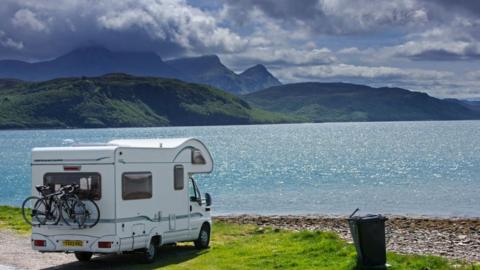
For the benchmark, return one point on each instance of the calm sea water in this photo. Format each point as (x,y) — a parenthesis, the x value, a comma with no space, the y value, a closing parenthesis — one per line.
(415,168)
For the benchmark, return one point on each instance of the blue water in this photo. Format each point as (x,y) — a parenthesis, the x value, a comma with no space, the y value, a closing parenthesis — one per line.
(414,168)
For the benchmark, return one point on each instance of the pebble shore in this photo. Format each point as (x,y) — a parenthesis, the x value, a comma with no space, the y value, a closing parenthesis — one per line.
(455,238)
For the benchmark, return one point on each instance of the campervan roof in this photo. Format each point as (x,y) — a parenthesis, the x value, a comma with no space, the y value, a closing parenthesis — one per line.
(150,143)
(134,150)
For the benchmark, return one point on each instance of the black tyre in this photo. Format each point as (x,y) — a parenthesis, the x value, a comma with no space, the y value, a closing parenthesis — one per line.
(36,212)
(28,210)
(51,216)
(83,256)
(68,210)
(203,240)
(150,253)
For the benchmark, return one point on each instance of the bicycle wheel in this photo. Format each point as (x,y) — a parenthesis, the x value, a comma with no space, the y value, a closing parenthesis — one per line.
(41,213)
(68,210)
(28,210)
(92,214)
(51,216)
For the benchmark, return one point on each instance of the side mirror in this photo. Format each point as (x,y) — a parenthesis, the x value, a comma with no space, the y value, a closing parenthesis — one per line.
(208,199)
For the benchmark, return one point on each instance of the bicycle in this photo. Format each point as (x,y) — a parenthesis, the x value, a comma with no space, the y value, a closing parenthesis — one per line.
(38,211)
(84,212)
(63,204)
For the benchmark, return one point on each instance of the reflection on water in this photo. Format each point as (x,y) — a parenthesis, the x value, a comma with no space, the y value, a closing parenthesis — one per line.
(417,168)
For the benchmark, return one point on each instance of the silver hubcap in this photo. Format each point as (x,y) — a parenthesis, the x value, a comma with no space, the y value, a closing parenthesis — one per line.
(204,237)
(151,251)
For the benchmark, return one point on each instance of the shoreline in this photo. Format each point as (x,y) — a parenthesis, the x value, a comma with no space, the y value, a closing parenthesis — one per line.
(454,238)
(345,216)
(230,125)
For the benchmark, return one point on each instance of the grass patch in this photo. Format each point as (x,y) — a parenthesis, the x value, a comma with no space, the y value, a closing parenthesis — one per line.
(250,247)
(11,218)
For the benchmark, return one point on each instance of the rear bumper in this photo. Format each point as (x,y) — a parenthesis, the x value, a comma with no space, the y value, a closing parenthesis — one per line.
(89,243)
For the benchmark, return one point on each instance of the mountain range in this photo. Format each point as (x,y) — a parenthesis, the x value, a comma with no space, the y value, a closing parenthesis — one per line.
(97,61)
(120,100)
(337,102)
(78,89)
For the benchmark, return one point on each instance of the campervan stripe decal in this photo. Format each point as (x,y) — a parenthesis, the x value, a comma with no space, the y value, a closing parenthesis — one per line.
(70,160)
(130,219)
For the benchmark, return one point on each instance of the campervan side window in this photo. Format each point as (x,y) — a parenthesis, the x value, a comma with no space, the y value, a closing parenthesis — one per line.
(136,185)
(178,177)
(90,183)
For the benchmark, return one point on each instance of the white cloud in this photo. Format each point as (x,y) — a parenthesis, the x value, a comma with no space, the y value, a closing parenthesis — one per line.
(9,43)
(437,50)
(173,21)
(25,18)
(366,41)
(349,50)
(168,27)
(337,17)
(474,75)
(283,56)
(351,71)
(437,83)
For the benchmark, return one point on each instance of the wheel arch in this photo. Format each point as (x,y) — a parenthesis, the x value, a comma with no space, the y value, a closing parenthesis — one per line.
(156,239)
(207,224)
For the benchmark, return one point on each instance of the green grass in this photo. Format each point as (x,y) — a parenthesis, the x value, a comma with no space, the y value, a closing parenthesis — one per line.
(250,247)
(11,219)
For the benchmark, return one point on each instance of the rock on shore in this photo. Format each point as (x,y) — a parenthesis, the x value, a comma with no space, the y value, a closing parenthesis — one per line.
(457,238)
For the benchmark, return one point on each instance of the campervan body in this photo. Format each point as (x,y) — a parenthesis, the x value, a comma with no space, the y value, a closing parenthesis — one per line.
(145,192)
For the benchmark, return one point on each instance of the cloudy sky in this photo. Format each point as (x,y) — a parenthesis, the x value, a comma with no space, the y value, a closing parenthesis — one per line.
(424,45)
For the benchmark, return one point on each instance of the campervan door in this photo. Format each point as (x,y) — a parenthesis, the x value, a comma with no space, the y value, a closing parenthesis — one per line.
(146,194)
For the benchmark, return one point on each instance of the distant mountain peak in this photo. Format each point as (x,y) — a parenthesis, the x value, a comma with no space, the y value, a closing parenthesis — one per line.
(91,50)
(258,77)
(211,57)
(97,60)
(209,60)
(256,68)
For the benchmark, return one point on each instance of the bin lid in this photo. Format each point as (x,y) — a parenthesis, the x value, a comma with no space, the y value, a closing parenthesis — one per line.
(368,218)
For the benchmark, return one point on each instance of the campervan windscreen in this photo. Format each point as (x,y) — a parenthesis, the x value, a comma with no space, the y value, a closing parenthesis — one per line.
(90,183)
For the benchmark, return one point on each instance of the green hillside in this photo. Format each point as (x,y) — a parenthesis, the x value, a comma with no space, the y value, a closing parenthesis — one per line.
(119,100)
(333,102)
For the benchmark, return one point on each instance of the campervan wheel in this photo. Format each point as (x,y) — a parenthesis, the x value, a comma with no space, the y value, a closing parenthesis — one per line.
(150,253)
(203,240)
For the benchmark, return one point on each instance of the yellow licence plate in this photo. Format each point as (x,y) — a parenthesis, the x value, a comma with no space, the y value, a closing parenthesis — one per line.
(72,243)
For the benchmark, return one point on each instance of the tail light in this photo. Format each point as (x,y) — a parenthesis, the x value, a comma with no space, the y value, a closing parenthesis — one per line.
(39,243)
(72,168)
(104,244)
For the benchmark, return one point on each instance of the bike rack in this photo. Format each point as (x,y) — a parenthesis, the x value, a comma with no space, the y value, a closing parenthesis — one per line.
(67,227)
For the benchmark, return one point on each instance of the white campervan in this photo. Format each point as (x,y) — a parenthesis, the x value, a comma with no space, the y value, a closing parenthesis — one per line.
(144,189)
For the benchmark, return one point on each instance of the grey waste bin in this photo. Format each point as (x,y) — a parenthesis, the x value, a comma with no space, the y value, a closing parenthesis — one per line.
(368,233)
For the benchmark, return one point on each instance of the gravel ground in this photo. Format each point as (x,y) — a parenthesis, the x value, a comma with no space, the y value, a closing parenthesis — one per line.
(15,250)
(17,254)
(455,238)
